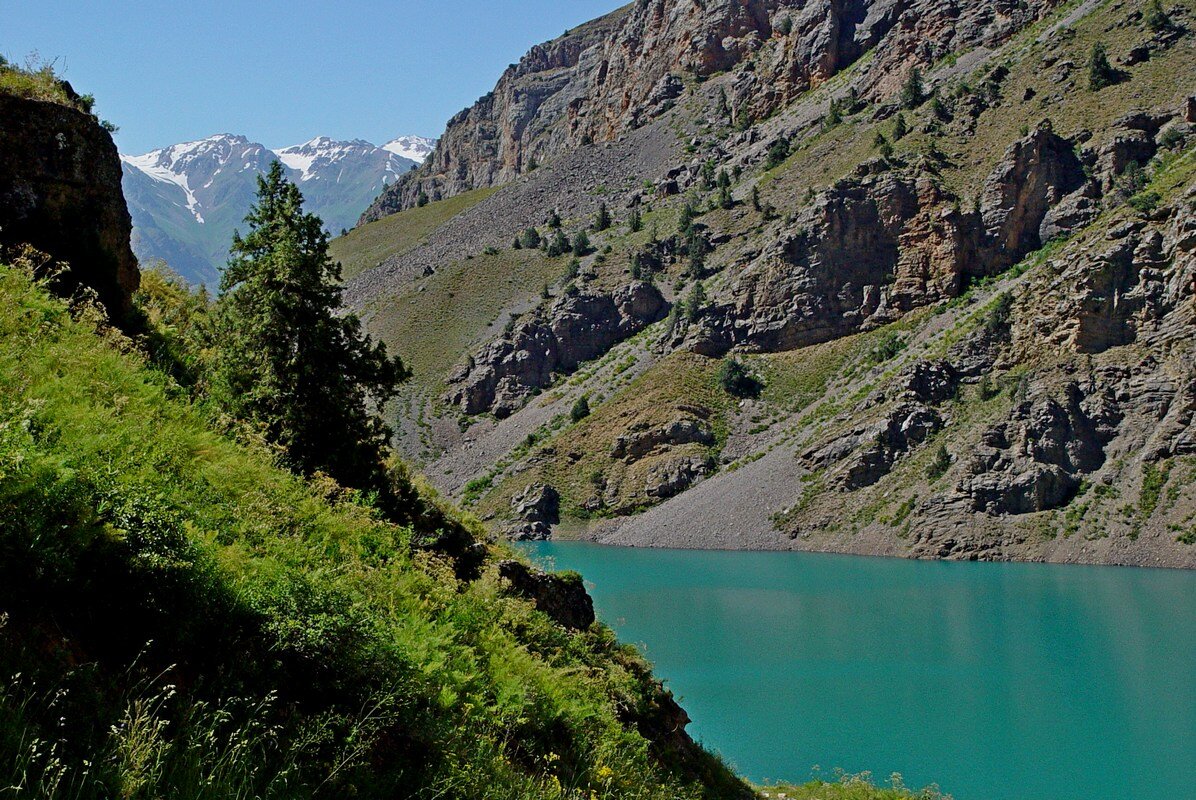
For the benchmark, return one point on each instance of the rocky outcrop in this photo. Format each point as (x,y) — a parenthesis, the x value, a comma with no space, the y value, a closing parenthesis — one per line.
(563,597)
(642,440)
(537,509)
(867,453)
(575,328)
(1036,459)
(871,248)
(621,71)
(60,192)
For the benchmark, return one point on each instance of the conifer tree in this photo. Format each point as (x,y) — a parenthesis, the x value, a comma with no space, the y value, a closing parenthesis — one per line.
(602,220)
(900,128)
(1100,71)
(912,92)
(635,221)
(285,359)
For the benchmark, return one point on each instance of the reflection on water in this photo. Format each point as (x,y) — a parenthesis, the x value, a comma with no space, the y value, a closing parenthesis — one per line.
(998,681)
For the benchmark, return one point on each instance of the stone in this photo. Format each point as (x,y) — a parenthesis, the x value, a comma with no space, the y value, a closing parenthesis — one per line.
(563,597)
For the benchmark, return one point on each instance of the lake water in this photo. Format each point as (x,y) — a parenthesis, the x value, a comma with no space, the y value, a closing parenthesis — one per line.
(996,681)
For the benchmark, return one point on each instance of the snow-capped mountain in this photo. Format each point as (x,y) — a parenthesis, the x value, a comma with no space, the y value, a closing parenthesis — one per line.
(416,148)
(187,199)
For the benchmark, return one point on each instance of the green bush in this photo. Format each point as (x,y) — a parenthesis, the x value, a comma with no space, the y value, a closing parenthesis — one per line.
(581,409)
(737,381)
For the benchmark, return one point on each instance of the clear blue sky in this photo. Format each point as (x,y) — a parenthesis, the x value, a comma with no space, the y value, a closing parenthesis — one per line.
(282,71)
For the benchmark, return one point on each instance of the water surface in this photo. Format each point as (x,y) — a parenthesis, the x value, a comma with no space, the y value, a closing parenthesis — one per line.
(997,681)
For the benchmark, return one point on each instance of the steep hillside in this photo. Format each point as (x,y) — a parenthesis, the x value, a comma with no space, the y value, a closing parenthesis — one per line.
(180,617)
(186,200)
(841,303)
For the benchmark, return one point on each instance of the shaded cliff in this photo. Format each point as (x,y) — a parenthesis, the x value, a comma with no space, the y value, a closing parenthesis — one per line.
(60,192)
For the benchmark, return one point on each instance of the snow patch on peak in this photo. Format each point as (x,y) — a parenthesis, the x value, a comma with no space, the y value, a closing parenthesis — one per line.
(416,148)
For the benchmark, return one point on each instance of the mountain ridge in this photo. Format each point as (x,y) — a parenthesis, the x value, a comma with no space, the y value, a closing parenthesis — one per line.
(186,199)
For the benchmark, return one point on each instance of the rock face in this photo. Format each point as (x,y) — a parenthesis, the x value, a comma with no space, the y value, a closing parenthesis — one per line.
(614,74)
(537,508)
(576,328)
(60,192)
(871,248)
(562,597)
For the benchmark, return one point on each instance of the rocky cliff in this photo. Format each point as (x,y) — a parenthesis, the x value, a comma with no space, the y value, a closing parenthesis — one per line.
(60,192)
(613,75)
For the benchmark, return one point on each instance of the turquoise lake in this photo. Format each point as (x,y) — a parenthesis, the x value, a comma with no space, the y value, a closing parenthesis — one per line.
(996,681)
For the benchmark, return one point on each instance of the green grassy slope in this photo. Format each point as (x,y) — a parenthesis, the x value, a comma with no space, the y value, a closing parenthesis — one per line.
(181,618)
(365,247)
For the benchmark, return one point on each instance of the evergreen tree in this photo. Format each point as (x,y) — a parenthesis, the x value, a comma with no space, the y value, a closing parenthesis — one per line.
(1156,18)
(777,153)
(285,359)
(912,92)
(559,244)
(834,115)
(695,302)
(530,238)
(581,244)
(581,409)
(900,128)
(635,221)
(554,219)
(1100,71)
(422,200)
(602,221)
(883,147)
(756,198)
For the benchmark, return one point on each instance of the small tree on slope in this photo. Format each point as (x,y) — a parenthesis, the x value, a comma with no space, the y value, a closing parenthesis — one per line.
(284,359)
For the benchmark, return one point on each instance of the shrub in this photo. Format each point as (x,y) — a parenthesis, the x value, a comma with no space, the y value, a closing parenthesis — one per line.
(887,348)
(778,151)
(785,25)
(422,200)
(939,464)
(1145,202)
(736,380)
(581,409)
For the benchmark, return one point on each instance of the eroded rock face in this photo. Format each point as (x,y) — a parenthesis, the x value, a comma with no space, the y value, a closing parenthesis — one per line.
(623,70)
(871,248)
(562,597)
(1036,459)
(641,441)
(574,329)
(60,192)
(537,509)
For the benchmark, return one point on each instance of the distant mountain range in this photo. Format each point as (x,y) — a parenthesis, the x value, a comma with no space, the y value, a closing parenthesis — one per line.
(187,199)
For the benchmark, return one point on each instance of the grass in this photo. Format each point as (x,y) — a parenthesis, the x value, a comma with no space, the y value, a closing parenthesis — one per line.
(457,308)
(851,787)
(180,617)
(37,80)
(368,246)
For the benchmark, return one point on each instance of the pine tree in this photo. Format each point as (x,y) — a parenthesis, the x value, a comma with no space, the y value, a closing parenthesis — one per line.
(756,198)
(602,220)
(834,115)
(286,360)
(581,244)
(912,92)
(559,244)
(695,302)
(1100,71)
(883,147)
(554,219)
(1156,18)
(900,128)
(581,409)
(635,221)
